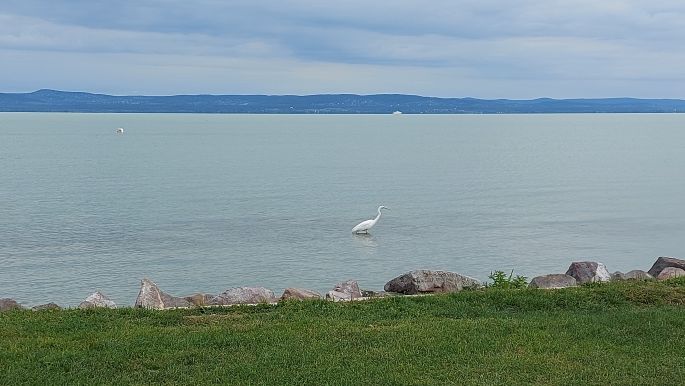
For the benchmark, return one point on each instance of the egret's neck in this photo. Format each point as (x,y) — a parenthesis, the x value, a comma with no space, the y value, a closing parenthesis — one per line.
(379,214)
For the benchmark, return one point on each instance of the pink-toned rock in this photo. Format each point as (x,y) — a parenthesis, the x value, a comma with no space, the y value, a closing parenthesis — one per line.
(670,272)
(588,272)
(664,262)
(299,294)
(7,304)
(349,287)
(150,296)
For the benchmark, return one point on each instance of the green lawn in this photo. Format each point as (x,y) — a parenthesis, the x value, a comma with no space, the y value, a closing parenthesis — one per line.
(618,333)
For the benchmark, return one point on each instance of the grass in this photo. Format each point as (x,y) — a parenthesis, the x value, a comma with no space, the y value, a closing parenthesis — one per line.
(627,333)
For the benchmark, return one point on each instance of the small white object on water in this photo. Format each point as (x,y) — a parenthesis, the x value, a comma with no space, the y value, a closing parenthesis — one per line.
(120,130)
(396,112)
(364,226)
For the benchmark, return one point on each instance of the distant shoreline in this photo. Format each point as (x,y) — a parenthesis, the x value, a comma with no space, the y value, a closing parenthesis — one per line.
(81,102)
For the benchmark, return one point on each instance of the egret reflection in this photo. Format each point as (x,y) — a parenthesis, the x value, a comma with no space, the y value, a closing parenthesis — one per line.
(365,240)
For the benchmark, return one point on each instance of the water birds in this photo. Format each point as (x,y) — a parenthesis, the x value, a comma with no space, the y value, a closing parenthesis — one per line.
(120,130)
(364,226)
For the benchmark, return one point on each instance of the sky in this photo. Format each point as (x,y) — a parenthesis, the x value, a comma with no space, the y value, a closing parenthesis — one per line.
(517,49)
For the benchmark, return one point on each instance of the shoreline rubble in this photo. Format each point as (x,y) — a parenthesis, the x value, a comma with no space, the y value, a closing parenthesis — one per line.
(414,283)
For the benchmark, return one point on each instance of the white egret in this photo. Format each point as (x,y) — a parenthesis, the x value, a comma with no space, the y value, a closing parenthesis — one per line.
(120,130)
(364,226)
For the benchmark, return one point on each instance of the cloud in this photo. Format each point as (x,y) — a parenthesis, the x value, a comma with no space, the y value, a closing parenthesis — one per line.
(525,48)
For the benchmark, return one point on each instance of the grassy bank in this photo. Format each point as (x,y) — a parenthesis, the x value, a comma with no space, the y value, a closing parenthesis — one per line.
(619,333)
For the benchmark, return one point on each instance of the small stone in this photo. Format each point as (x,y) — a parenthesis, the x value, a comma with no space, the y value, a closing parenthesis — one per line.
(96,300)
(617,276)
(7,304)
(553,281)
(670,272)
(588,271)
(48,306)
(299,294)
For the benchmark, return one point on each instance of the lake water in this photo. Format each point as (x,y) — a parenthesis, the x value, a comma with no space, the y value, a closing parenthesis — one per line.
(209,202)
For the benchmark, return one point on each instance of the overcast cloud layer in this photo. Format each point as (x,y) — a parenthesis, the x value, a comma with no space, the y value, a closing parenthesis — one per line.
(487,49)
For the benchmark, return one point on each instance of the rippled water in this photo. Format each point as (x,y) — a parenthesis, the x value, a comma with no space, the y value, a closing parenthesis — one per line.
(209,202)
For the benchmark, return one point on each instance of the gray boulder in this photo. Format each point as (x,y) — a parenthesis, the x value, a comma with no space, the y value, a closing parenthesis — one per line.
(150,296)
(243,295)
(7,304)
(635,274)
(670,272)
(664,262)
(48,306)
(426,281)
(299,294)
(588,272)
(97,300)
(199,299)
(553,281)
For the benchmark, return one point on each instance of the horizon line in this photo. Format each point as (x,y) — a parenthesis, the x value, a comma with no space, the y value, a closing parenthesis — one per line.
(340,94)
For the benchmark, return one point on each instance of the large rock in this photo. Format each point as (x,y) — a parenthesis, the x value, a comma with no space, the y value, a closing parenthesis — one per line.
(588,272)
(9,304)
(243,295)
(345,291)
(553,281)
(670,272)
(425,281)
(150,296)
(350,287)
(299,294)
(663,262)
(47,306)
(96,300)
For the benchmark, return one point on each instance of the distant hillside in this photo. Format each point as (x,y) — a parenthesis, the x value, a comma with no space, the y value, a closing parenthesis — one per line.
(56,101)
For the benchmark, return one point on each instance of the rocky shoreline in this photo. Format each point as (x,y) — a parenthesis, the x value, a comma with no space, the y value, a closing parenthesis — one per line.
(418,282)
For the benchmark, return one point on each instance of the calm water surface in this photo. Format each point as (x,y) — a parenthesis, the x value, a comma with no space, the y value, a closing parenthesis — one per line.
(209,202)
